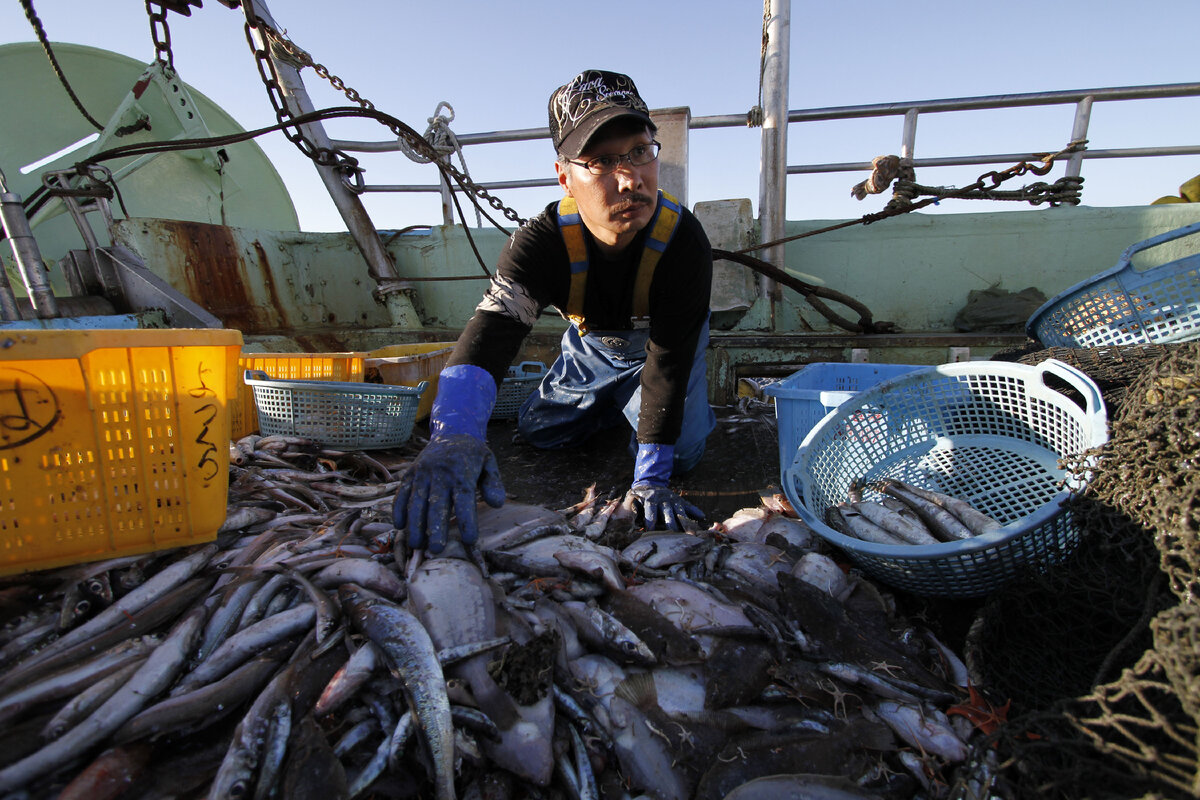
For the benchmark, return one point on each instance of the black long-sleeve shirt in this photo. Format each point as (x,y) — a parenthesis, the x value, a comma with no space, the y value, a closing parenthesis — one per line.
(534,272)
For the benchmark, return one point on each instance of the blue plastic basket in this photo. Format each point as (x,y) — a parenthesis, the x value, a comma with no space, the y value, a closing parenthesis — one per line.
(521,381)
(990,433)
(803,398)
(339,414)
(1126,305)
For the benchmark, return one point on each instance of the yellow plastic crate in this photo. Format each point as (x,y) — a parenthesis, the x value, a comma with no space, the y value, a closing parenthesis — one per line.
(112,442)
(288,366)
(409,364)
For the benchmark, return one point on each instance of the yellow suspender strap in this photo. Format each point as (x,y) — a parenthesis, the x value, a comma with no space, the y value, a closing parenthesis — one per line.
(662,228)
(571,227)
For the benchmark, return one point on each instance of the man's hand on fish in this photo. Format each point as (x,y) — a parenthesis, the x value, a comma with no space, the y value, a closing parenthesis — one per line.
(441,481)
(659,508)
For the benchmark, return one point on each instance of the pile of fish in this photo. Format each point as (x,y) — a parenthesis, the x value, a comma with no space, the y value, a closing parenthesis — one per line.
(907,514)
(307,652)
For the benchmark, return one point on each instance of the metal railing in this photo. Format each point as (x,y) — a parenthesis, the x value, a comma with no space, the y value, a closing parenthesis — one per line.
(1083,100)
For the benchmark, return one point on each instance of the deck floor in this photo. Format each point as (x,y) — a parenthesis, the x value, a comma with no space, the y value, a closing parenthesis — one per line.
(741,460)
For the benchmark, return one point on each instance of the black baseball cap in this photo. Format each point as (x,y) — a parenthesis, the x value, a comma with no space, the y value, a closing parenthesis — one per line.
(592,98)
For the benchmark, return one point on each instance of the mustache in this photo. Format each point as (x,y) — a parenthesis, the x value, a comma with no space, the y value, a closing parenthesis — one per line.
(634,200)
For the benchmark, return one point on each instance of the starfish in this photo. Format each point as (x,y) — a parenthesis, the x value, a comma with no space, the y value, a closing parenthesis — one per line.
(982,713)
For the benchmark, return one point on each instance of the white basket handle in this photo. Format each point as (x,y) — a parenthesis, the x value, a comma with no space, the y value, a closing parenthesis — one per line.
(1095,410)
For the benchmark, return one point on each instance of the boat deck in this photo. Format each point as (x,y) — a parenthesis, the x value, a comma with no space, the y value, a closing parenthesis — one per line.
(742,460)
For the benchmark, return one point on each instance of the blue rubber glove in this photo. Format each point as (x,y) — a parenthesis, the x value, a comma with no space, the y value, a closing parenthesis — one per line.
(651,499)
(443,478)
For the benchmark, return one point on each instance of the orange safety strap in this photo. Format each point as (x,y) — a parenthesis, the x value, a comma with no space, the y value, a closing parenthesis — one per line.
(662,229)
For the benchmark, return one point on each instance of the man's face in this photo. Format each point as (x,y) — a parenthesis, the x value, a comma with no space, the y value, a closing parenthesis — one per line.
(614,207)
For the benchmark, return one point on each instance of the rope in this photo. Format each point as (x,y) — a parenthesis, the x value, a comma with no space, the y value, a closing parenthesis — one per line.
(444,142)
(32,16)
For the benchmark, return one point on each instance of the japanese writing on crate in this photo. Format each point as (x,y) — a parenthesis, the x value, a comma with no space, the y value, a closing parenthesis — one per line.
(28,408)
(206,412)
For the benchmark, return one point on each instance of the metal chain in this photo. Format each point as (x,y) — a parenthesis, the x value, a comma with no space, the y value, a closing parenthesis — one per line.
(1065,190)
(287,49)
(32,16)
(160,33)
(902,203)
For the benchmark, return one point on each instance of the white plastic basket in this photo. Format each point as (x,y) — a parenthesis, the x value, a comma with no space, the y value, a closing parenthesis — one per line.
(1126,305)
(338,414)
(990,433)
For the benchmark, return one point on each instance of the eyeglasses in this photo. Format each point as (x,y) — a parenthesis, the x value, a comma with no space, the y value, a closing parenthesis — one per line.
(639,156)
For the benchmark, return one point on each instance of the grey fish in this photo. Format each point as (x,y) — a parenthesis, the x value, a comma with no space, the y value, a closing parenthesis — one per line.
(151,590)
(243,517)
(822,572)
(364,572)
(242,645)
(801,787)
(645,757)
(844,519)
(207,704)
(797,535)
(328,612)
(81,706)
(843,750)
(451,596)
(910,530)
(600,566)
(503,527)
(546,549)
(155,674)
(758,563)
(166,608)
(669,644)
(605,632)
(690,608)
(978,522)
(660,549)
(73,680)
(237,775)
(351,677)
(923,727)
(941,523)
(411,656)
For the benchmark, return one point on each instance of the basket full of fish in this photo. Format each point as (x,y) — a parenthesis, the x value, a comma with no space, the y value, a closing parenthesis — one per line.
(309,653)
(949,481)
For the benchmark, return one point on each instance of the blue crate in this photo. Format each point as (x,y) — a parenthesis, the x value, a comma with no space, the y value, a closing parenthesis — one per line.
(1126,305)
(805,397)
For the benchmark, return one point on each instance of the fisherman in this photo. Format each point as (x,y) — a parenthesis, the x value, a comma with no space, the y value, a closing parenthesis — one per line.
(631,269)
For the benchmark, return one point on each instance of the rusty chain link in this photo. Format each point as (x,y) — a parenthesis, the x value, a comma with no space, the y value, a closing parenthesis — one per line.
(160,33)
(1064,190)
(36,22)
(343,163)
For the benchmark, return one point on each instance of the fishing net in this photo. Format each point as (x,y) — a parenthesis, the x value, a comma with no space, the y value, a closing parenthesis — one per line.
(1101,658)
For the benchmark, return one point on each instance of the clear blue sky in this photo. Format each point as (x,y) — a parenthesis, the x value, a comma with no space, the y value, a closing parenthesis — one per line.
(497,62)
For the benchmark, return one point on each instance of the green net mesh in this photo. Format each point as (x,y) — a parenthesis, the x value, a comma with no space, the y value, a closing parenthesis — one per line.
(1101,658)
